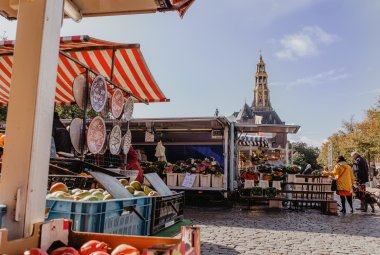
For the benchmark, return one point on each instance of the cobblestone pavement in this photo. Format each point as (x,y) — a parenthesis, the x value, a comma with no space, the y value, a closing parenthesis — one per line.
(261,230)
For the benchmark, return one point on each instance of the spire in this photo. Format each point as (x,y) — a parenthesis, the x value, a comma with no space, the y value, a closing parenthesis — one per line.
(261,100)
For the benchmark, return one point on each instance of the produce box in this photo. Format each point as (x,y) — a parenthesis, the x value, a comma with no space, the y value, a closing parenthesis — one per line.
(130,216)
(56,231)
(166,211)
(74,181)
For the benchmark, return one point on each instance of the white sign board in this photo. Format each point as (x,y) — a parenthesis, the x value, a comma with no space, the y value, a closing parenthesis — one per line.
(188,181)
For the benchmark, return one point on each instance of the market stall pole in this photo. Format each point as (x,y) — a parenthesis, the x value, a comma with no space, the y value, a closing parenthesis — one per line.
(30,115)
(26,158)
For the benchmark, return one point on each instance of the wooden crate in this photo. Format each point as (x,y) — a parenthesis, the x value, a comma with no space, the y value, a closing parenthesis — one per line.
(217,181)
(171,179)
(46,233)
(205,180)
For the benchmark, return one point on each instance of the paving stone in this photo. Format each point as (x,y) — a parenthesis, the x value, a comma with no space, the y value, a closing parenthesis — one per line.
(261,231)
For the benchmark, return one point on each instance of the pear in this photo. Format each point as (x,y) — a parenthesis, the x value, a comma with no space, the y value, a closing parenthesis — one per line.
(90,198)
(50,196)
(139,193)
(153,194)
(75,191)
(108,197)
(57,193)
(130,189)
(64,196)
(124,182)
(82,194)
(147,190)
(136,185)
(98,194)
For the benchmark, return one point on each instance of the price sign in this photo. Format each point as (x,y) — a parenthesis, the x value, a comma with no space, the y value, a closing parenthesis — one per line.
(188,181)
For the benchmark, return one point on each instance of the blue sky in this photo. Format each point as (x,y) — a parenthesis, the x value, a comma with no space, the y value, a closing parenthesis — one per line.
(322,58)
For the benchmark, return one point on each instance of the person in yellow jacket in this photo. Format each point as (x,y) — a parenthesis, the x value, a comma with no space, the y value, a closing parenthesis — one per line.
(345,180)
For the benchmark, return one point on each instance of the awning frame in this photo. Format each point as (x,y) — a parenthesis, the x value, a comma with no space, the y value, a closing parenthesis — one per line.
(122,65)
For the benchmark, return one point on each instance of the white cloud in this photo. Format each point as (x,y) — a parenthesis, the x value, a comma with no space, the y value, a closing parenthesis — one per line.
(300,137)
(314,80)
(305,43)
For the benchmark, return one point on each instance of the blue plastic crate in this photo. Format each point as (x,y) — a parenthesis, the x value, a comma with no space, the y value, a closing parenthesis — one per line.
(131,216)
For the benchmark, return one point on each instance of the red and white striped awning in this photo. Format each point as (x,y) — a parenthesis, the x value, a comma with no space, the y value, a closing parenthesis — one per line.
(123,64)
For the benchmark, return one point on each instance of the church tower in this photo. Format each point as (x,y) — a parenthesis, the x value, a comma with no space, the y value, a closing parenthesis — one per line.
(261,100)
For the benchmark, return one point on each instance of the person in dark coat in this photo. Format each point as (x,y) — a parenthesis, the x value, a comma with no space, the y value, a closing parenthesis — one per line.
(360,168)
(61,136)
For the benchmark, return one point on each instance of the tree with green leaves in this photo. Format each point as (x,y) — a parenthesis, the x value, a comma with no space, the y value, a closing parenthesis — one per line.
(305,154)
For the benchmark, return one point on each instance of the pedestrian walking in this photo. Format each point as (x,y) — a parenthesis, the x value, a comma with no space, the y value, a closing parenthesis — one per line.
(360,168)
(345,179)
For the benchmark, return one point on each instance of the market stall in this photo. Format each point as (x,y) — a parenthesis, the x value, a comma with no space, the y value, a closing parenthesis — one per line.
(35,65)
(199,147)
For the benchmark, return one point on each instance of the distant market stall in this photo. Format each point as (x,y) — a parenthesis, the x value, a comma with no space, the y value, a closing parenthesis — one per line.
(207,147)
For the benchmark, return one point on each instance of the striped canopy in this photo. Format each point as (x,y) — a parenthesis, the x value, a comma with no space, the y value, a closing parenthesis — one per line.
(123,64)
(258,141)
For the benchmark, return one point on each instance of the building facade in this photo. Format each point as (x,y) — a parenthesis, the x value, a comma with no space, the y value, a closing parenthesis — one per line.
(261,110)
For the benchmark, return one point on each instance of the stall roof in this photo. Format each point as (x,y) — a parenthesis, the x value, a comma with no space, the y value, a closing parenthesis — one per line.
(180,124)
(267,128)
(124,64)
(92,8)
(259,141)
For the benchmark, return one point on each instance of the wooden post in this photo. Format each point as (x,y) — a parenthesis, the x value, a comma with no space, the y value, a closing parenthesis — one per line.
(30,114)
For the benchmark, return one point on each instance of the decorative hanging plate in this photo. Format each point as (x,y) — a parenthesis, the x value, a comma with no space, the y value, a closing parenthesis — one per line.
(117,103)
(76,133)
(96,135)
(115,140)
(98,93)
(79,88)
(127,142)
(105,146)
(128,109)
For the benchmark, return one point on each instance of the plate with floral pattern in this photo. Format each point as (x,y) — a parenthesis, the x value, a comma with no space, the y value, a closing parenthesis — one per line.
(128,109)
(98,93)
(117,103)
(127,142)
(115,140)
(96,135)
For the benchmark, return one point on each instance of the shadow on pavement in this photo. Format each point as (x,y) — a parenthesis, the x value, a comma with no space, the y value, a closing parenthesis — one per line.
(262,217)
(214,249)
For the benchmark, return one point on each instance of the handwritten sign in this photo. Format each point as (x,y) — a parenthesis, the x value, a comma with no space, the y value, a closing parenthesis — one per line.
(189,180)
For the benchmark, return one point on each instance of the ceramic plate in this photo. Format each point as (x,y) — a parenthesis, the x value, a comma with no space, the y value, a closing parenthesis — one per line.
(127,142)
(96,135)
(105,146)
(115,140)
(128,109)
(76,133)
(98,93)
(79,88)
(117,103)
